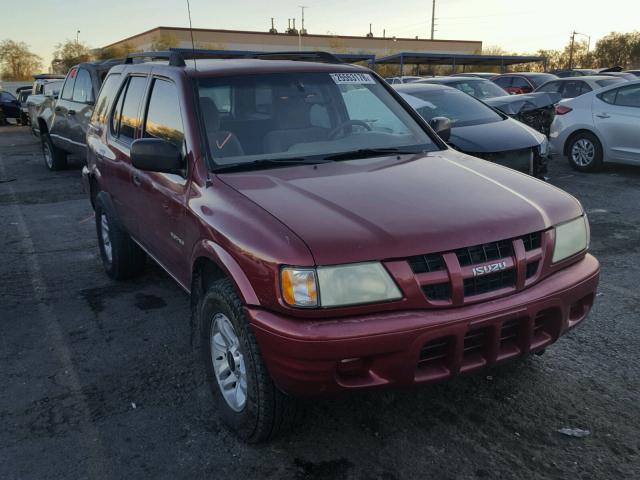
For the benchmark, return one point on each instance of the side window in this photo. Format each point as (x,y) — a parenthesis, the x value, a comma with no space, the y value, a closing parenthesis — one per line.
(104,98)
(67,90)
(125,116)
(163,118)
(572,89)
(520,82)
(628,96)
(609,97)
(503,81)
(550,87)
(83,89)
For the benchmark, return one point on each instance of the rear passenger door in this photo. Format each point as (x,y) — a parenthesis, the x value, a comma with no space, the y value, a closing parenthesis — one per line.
(162,196)
(59,128)
(79,111)
(124,127)
(616,114)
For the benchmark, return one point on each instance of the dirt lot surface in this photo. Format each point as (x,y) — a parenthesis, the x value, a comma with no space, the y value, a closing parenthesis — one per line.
(98,379)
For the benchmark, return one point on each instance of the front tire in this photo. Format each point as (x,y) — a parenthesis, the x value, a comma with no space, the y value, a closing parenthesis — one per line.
(247,399)
(584,152)
(121,257)
(54,158)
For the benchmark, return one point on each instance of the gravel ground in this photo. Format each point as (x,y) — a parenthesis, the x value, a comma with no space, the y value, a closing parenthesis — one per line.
(99,381)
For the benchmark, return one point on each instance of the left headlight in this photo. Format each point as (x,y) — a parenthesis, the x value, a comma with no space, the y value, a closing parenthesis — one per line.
(543,148)
(338,285)
(571,237)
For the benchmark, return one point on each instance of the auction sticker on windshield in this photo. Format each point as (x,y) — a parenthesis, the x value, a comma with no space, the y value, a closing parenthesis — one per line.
(352,78)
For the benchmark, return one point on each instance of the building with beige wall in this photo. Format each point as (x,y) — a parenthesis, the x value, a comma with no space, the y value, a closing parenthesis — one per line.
(165,37)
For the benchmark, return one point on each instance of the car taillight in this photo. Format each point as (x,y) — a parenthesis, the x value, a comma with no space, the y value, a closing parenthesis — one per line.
(562,109)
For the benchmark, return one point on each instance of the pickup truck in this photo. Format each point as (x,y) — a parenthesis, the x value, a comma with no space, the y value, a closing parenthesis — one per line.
(61,120)
(325,251)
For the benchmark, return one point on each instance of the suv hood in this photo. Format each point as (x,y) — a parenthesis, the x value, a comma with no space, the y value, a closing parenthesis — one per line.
(385,207)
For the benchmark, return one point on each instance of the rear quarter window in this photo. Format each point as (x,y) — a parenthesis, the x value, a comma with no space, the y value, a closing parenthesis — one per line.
(67,90)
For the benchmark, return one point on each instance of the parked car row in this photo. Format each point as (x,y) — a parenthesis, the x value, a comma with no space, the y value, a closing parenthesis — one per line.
(479,130)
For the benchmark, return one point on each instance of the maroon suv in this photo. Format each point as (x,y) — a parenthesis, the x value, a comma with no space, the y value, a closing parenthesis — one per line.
(328,237)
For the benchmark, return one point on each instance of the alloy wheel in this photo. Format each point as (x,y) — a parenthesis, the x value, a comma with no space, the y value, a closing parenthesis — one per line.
(228,362)
(583,152)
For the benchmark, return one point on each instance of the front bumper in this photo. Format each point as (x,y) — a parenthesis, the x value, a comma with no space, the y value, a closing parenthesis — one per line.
(311,358)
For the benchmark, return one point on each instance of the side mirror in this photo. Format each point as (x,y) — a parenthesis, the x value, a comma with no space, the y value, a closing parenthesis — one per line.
(442,126)
(156,155)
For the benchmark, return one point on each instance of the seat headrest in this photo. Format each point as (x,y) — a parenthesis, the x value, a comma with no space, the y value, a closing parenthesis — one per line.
(210,113)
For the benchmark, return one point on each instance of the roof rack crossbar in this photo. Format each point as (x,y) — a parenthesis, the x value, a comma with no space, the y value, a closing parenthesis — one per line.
(325,57)
(175,58)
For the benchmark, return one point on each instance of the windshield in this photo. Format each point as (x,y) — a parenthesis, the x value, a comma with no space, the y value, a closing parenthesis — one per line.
(304,116)
(481,89)
(462,109)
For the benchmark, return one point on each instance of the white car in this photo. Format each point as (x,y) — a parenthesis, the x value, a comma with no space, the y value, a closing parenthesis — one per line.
(599,126)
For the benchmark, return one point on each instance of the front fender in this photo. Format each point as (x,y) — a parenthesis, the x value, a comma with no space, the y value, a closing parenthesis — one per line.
(218,255)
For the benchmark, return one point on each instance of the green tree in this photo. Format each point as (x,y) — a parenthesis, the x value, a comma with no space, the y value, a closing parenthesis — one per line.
(68,54)
(17,62)
(618,49)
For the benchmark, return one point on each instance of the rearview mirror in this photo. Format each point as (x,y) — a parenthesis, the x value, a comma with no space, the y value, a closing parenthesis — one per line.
(442,126)
(156,155)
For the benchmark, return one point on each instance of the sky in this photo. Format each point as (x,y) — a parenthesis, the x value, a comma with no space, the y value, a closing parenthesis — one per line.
(521,27)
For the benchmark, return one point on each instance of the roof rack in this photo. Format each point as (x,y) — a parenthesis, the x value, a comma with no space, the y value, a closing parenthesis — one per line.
(177,56)
(176,59)
(313,56)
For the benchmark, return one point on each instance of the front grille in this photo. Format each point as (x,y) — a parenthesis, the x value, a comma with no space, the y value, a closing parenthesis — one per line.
(489,283)
(486,252)
(532,241)
(532,268)
(437,291)
(427,263)
(521,160)
(453,289)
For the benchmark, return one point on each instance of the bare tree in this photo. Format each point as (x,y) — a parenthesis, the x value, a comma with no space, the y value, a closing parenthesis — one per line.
(17,62)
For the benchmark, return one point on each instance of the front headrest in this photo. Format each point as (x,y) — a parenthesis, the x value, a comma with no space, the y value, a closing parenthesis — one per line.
(210,113)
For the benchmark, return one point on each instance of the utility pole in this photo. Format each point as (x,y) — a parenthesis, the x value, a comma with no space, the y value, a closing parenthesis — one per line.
(77,33)
(573,36)
(433,18)
(302,31)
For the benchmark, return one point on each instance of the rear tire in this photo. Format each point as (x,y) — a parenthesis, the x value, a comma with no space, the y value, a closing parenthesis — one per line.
(54,158)
(121,256)
(584,152)
(250,405)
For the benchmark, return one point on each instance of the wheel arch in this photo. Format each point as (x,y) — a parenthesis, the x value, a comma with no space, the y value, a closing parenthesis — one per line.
(211,262)
(572,135)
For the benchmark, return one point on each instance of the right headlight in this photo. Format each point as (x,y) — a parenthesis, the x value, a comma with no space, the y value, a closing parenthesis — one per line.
(338,285)
(571,237)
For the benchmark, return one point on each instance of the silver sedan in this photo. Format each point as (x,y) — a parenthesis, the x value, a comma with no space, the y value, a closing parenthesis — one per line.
(599,126)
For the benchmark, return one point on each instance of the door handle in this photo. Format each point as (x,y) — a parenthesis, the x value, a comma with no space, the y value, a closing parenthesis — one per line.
(71,112)
(136,180)
(603,115)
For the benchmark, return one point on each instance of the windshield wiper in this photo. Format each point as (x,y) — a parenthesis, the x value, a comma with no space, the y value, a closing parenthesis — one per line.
(372,152)
(265,163)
